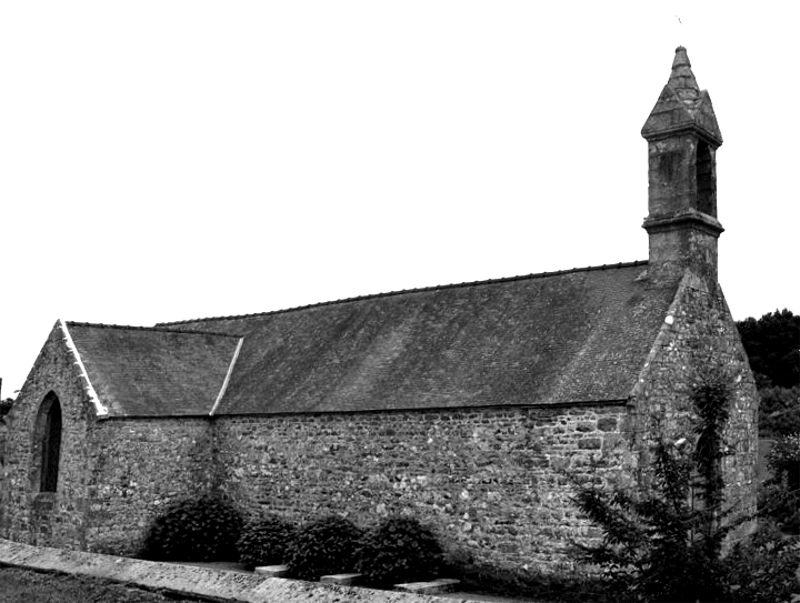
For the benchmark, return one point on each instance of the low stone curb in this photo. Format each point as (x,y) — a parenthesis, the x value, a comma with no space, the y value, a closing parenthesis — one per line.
(343,579)
(191,581)
(272,571)
(432,587)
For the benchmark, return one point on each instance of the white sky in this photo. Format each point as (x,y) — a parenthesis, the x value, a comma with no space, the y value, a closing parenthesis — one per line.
(165,160)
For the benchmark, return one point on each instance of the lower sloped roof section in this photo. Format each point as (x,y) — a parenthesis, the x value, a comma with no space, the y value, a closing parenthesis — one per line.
(577,336)
(154,372)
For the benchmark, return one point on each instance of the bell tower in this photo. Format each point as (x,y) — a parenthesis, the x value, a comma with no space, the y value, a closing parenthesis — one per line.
(682,139)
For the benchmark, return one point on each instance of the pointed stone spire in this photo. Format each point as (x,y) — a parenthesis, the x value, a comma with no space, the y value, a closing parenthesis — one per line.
(682,106)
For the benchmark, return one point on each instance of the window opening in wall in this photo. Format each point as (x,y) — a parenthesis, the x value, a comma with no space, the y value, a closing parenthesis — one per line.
(705,180)
(50,443)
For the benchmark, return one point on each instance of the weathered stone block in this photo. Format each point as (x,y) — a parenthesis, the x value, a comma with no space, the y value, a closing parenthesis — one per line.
(607,424)
(590,443)
(429,588)
(273,571)
(342,579)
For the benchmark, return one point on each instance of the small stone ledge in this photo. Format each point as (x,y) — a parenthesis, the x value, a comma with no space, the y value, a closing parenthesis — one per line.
(273,571)
(433,587)
(197,582)
(342,579)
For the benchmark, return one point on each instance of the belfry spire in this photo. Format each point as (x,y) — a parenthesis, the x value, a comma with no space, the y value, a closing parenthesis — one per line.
(683,136)
(682,105)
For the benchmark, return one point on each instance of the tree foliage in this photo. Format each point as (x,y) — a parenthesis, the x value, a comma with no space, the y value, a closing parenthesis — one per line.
(779,412)
(780,494)
(772,344)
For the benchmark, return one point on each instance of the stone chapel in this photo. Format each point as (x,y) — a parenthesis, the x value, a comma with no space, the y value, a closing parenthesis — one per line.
(472,407)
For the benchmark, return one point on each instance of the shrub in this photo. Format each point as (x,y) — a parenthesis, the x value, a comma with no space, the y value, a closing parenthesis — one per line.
(763,567)
(195,529)
(399,549)
(324,546)
(264,541)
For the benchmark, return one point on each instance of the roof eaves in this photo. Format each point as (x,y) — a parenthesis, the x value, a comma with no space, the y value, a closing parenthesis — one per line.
(604,403)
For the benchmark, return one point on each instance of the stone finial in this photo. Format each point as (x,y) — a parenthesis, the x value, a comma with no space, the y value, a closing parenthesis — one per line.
(682,80)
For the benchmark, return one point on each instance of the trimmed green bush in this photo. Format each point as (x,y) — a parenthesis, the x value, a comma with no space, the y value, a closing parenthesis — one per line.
(324,546)
(264,541)
(199,529)
(399,549)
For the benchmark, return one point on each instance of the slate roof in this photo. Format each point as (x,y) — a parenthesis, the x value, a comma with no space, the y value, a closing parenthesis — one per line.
(575,336)
(154,372)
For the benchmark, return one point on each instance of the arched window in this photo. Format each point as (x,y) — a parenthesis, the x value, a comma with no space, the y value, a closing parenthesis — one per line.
(48,442)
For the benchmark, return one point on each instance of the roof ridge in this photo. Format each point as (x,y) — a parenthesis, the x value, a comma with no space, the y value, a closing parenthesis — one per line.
(165,325)
(160,328)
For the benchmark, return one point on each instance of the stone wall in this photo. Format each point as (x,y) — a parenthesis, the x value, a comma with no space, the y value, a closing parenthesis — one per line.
(31,516)
(145,464)
(3,471)
(114,474)
(699,340)
(494,482)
